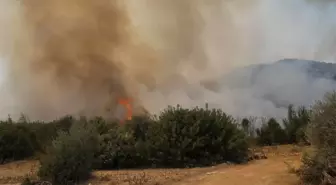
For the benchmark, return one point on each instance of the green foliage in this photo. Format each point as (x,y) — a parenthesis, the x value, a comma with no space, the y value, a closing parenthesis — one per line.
(271,133)
(177,138)
(322,129)
(197,137)
(248,126)
(46,132)
(296,123)
(292,132)
(321,134)
(71,157)
(22,139)
(126,146)
(16,142)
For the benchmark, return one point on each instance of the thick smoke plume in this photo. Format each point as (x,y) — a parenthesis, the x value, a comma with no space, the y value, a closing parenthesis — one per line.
(79,56)
(76,56)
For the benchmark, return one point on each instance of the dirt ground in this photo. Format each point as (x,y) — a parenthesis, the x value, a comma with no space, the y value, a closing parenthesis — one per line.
(272,171)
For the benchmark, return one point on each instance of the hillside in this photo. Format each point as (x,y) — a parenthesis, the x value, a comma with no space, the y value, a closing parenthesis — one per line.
(287,81)
(313,69)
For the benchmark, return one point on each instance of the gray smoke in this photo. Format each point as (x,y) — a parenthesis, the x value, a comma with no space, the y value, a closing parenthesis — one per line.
(168,52)
(241,33)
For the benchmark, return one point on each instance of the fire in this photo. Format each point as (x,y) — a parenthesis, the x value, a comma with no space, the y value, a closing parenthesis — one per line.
(127,104)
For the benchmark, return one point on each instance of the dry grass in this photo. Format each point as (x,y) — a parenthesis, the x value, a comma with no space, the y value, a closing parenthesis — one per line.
(17,171)
(292,167)
(144,177)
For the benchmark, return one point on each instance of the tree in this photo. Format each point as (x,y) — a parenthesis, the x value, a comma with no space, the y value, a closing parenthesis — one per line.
(296,123)
(321,134)
(271,133)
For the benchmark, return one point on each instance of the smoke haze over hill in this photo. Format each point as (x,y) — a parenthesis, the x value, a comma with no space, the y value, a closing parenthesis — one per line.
(77,57)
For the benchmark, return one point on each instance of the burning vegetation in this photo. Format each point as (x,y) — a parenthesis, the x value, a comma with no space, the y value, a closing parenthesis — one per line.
(126,103)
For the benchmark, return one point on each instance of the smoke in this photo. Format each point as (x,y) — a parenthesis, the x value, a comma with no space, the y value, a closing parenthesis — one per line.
(79,56)
(241,33)
(75,57)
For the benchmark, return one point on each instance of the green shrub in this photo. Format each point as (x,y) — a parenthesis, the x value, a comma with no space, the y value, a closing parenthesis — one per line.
(176,138)
(47,132)
(271,133)
(126,146)
(193,137)
(22,139)
(17,142)
(296,123)
(321,134)
(71,157)
(248,126)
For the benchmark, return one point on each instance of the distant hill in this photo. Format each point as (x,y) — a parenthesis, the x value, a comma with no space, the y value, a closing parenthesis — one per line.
(313,69)
(287,81)
(291,81)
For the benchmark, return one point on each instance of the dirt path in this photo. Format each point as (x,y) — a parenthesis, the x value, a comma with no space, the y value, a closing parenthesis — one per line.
(273,171)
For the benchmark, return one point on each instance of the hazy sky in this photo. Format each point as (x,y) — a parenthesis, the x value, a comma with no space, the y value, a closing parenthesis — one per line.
(65,57)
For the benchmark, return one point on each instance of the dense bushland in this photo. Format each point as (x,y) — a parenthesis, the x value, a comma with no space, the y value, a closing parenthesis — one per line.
(70,148)
(22,139)
(178,137)
(16,141)
(273,132)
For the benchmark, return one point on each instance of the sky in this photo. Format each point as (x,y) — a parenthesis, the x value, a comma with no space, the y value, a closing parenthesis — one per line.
(77,57)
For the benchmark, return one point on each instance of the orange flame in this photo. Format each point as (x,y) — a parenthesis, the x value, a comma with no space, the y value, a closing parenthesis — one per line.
(127,104)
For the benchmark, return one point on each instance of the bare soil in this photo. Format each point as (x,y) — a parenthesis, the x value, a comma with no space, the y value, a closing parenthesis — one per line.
(276,170)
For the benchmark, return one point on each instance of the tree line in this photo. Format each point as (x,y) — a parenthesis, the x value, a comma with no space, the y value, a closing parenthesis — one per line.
(69,149)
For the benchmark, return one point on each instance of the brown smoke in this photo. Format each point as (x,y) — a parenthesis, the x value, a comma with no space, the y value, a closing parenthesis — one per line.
(79,57)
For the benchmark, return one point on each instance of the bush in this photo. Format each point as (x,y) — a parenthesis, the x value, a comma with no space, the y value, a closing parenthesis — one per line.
(47,132)
(22,139)
(248,126)
(271,133)
(314,164)
(296,123)
(17,142)
(193,137)
(71,157)
(126,146)
(292,132)
(177,138)
(321,134)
